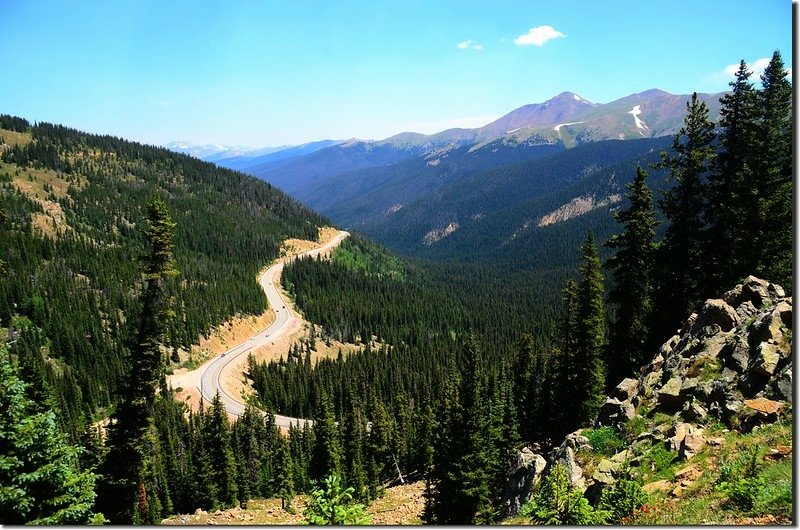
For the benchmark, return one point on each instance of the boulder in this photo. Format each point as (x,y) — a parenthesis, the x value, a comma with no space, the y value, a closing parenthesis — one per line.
(650,383)
(756,290)
(576,441)
(689,324)
(767,328)
(736,355)
(677,433)
(716,312)
(784,309)
(746,310)
(734,297)
(615,412)
(606,472)
(694,411)
(669,395)
(659,485)
(524,474)
(693,442)
(566,456)
(759,411)
(766,359)
(626,389)
(781,386)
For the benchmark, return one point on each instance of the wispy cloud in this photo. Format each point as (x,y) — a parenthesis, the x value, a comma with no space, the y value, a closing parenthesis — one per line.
(469,44)
(538,36)
(729,72)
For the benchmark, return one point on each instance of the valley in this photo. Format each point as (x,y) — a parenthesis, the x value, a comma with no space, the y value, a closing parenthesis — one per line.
(396,263)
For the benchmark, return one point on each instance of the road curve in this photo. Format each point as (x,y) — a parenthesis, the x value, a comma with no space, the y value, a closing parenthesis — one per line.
(210,377)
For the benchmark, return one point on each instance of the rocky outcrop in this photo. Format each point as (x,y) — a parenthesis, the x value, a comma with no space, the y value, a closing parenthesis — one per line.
(736,348)
(524,474)
(730,361)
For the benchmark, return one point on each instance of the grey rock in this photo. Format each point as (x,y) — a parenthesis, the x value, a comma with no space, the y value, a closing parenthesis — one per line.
(734,297)
(626,389)
(524,474)
(766,359)
(781,387)
(784,309)
(693,442)
(669,395)
(615,412)
(756,290)
(717,312)
(694,411)
(776,291)
(767,328)
(746,310)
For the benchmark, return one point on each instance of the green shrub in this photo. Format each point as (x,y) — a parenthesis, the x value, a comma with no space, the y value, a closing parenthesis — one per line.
(604,440)
(658,461)
(622,498)
(333,505)
(558,503)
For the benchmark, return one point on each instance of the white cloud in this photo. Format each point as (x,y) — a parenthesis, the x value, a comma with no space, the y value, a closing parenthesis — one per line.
(469,43)
(538,36)
(729,72)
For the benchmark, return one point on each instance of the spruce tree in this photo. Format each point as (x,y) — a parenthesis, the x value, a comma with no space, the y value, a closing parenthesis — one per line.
(217,443)
(327,454)
(773,172)
(123,495)
(731,194)
(682,261)
(632,269)
(41,481)
(590,333)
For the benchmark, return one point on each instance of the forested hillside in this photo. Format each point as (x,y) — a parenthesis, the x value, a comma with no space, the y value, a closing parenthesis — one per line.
(72,209)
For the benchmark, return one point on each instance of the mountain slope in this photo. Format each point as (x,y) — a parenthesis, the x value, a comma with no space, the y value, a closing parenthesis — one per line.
(72,238)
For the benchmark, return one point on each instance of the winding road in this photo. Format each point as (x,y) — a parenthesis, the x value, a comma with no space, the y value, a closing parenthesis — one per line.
(211,373)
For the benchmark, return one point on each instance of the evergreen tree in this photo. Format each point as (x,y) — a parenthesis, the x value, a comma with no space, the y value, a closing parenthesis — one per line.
(731,193)
(682,261)
(217,443)
(562,402)
(460,479)
(123,495)
(632,266)
(284,485)
(590,334)
(327,455)
(40,478)
(773,174)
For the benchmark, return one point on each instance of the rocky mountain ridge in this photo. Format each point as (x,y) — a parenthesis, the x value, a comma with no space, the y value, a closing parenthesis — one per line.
(730,363)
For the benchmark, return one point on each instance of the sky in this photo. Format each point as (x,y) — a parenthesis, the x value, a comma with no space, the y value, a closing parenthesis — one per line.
(267,73)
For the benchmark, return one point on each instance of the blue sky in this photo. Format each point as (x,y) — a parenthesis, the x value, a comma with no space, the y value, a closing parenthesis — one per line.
(265,73)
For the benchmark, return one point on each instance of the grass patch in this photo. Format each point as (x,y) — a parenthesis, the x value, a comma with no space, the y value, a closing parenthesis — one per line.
(604,440)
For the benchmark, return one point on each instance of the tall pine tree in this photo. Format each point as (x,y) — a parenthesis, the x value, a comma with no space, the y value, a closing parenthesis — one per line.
(632,292)
(123,495)
(590,333)
(682,261)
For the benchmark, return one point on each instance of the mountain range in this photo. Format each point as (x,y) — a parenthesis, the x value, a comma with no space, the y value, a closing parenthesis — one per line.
(482,193)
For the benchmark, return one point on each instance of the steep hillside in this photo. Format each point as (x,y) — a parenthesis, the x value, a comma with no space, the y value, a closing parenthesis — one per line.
(71,238)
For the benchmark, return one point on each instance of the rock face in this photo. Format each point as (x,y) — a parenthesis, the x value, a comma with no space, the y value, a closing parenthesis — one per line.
(736,348)
(525,472)
(731,361)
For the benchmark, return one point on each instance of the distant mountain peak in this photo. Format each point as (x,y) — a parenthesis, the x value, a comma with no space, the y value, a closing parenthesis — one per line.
(568,96)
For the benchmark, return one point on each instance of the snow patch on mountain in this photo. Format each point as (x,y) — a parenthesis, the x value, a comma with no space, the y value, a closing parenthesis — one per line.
(635,111)
(557,128)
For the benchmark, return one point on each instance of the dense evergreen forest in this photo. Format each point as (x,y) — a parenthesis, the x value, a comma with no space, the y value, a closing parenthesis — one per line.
(152,249)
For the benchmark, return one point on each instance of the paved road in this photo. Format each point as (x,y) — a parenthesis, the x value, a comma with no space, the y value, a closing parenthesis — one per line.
(212,374)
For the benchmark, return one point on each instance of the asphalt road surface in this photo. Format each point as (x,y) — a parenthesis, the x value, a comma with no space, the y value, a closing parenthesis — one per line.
(212,374)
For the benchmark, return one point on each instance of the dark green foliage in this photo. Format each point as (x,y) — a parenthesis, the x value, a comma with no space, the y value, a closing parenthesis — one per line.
(327,455)
(604,440)
(333,505)
(589,334)
(621,499)
(557,503)
(82,287)
(681,255)
(632,272)
(41,481)
(215,433)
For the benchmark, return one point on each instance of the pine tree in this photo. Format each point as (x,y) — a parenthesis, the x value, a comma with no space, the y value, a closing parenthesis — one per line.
(327,456)
(460,479)
(682,261)
(773,174)
(123,495)
(217,443)
(284,485)
(590,334)
(632,266)
(731,194)
(41,482)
